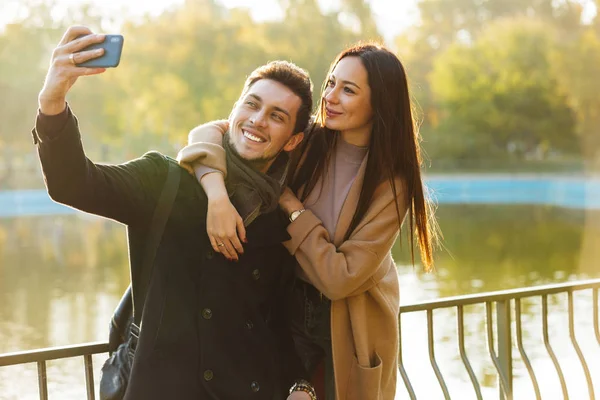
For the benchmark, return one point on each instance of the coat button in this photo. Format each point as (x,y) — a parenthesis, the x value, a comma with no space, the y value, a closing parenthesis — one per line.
(207,313)
(208,375)
(210,254)
(255,386)
(256,274)
(249,324)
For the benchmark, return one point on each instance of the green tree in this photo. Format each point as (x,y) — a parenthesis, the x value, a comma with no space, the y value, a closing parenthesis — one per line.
(179,69)
(498,96)
(25,48)
(187,66)
(445,22)
(21,76)
(309,38)
(576,64)
(361,9)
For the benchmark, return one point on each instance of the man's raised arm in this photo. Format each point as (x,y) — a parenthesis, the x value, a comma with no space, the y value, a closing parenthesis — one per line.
(127,192)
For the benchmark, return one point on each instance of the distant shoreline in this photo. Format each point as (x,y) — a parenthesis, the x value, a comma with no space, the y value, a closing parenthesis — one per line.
(575,191)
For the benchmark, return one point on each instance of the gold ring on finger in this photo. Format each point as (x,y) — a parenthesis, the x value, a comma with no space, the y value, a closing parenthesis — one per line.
(72,58)
(220,244)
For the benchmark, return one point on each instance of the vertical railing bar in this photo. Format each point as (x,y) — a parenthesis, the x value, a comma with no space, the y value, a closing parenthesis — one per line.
(549,347)
(409,387)
(402,370)
(89,376)
(42,364)
(490,336)
(586,370)
(434,365)
(463,353)
(521,348)
(595,311)
(42,380)
(504,356)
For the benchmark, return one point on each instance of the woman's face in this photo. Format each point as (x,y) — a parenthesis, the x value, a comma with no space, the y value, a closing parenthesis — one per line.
(347,97)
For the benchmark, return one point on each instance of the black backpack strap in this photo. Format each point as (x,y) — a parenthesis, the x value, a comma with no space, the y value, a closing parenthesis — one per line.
(157,227)
(118,331)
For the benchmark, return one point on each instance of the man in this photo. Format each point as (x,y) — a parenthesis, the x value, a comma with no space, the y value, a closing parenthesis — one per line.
(211,328)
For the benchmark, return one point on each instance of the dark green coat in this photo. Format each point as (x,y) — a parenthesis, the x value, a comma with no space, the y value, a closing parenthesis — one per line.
(212,329)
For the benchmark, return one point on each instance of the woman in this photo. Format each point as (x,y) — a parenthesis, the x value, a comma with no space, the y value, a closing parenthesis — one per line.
(357,177)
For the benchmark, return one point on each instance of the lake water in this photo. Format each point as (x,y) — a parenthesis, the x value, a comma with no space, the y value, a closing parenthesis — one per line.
(62,273)
(570,191)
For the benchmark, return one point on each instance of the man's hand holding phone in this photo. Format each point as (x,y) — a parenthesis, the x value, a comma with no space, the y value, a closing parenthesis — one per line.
(64,69)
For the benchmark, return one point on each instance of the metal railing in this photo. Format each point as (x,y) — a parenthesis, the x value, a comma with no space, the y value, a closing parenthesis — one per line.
(41,356)
(501,359)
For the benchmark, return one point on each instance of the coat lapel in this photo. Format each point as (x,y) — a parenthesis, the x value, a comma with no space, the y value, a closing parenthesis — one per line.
(350,204)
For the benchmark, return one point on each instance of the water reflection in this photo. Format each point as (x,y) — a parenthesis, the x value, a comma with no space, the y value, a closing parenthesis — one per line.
(495,248)
(60,278)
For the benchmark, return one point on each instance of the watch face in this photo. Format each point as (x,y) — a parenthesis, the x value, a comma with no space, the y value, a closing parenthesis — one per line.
(295,215)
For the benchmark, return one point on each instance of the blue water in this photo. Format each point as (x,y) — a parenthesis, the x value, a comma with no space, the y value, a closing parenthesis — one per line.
(562,191)
(17,203)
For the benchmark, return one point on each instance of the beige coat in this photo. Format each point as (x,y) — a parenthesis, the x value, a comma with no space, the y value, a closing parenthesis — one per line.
(360,278)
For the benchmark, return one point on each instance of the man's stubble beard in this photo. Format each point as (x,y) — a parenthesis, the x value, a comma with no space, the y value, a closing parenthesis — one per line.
(258,163)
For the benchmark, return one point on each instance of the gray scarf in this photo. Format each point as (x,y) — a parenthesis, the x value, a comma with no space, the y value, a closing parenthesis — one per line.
(252,192)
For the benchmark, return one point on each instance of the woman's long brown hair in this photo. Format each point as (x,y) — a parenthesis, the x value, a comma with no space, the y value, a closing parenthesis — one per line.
(394,149)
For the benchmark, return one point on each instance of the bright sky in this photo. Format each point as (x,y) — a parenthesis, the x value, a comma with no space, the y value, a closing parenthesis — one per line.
(392,16)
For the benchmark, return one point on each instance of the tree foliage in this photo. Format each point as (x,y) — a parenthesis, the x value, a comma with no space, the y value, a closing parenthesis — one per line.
(497,78)
(492,78)
(179,69)
(575,63)
(499,95)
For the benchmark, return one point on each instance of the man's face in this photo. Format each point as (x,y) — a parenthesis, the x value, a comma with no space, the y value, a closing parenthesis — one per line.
(262,122)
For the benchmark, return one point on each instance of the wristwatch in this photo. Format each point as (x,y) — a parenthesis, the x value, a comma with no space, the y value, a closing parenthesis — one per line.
(296,214)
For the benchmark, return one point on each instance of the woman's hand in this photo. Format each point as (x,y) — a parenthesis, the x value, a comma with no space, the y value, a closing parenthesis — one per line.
(224,225)
(289,202)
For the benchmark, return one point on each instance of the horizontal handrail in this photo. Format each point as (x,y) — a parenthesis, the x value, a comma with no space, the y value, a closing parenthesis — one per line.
(501,355)
(502,360)
(500,295)
(52,353)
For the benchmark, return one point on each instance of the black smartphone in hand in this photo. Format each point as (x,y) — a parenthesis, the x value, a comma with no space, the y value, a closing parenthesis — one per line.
(113,46)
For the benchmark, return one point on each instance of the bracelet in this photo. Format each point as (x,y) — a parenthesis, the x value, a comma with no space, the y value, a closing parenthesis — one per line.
(304,386)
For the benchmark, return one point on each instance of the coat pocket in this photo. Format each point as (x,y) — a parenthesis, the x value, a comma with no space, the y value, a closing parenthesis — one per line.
(365,382)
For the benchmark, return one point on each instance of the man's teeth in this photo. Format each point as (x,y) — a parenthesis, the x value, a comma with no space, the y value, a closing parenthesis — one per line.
(252,137)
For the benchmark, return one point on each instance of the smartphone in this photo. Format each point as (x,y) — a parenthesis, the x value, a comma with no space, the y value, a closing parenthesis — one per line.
(113,46)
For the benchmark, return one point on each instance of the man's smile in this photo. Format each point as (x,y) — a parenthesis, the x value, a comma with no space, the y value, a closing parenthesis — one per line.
(253,137)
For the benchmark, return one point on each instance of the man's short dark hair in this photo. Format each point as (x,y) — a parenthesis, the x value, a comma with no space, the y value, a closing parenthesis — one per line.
(294,78)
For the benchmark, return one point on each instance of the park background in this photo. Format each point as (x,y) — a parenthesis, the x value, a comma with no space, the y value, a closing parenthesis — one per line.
(506,98)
